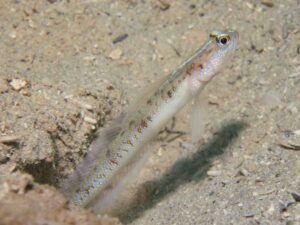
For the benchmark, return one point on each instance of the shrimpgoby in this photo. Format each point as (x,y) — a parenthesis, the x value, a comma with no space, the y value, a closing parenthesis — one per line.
(120,151)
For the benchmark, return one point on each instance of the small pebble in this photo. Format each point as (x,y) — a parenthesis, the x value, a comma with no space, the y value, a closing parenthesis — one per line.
(286,214)
(89,58)
(214,100)
(120,38)
(17,84)
(80,103)
(297,132)
(164,5)
(250,166)
(244,172)
(214,173)
(271,209)
(90,120)
(268,3)
(296,196)
(13,35)
(116,54)
(250,5)
(249,215)
(292,109)
(3,85)
(9,139)
(192,6)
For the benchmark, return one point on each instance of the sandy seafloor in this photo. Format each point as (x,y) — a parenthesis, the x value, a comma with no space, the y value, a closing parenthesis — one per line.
(70,67)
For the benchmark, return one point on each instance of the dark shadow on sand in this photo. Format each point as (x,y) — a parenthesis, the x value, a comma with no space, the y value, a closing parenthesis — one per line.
(185,170)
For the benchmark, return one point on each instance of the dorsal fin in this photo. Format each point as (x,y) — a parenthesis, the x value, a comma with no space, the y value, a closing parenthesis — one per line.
(97,150)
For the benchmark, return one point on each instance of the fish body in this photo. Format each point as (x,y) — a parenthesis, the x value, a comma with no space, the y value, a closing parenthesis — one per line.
(90,182)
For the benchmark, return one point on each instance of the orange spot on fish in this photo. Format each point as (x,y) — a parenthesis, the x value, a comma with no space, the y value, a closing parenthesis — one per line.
(193,67)
(190,69)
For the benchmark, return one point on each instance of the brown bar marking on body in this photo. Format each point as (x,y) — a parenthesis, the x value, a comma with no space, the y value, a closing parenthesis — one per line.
(95,167)
(149,102)
(86,190)
(170,93)
(113,161)
(129,142)
(131,124)
(110,158)
(144,124)
(180,80)
(139,129)
(200,66)
(193,67)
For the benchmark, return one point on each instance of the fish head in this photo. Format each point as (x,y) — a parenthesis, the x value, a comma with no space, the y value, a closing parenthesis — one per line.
(215,53)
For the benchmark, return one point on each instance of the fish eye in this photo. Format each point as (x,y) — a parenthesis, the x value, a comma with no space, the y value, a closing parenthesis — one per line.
(223,40)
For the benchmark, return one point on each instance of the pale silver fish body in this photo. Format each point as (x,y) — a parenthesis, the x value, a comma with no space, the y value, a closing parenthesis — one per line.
(152,114)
